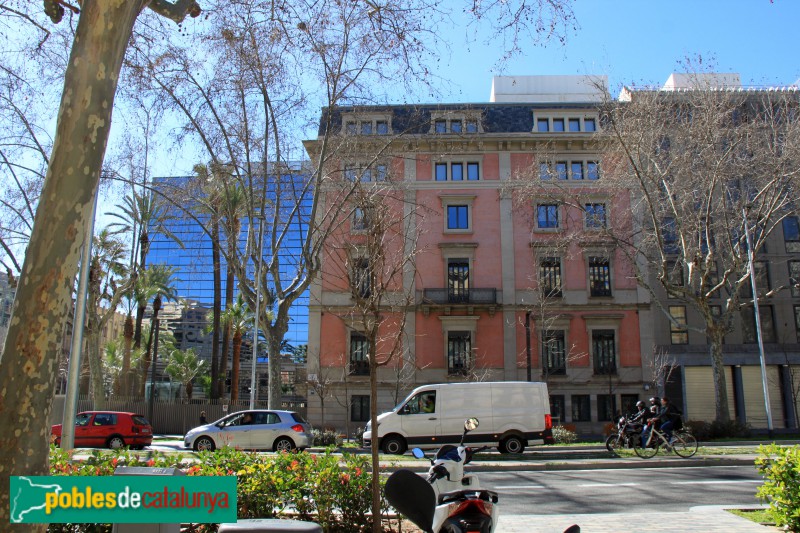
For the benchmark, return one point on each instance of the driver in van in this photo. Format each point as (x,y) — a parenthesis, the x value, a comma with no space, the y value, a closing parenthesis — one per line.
(427,404)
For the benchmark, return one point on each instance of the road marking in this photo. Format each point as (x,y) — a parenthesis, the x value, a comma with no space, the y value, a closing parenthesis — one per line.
(512,487)
(609,485)
(716,481)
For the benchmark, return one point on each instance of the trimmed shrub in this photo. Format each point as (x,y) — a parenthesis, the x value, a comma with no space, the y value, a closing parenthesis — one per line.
(563,435)
(327,437)
(729,429)
(780,466)
(699,428)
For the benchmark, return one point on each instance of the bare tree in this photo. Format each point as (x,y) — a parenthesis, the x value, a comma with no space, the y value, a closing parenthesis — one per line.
(376,255)
(701,162)
(44,295)
(660,369)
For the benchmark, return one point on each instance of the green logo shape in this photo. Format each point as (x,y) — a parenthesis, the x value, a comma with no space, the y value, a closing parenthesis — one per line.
(122,499)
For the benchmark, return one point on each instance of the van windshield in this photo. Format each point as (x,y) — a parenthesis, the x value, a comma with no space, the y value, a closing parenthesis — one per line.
(401,404)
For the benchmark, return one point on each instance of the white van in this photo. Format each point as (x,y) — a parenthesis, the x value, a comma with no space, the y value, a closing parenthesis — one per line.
(512,415)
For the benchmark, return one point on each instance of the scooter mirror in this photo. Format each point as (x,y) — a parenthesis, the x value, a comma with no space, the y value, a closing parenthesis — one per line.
(471,424)
(419,454)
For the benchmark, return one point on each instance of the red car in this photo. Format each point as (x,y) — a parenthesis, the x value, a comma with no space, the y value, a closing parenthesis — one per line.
(108,429)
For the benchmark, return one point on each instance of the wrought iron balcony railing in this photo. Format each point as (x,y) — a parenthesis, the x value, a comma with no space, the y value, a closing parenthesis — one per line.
(448,296)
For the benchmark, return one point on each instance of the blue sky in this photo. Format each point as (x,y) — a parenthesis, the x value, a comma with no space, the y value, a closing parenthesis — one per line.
(636,41)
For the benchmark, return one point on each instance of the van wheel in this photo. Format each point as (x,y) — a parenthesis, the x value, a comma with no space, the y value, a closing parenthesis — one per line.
(511,445)
(394,445)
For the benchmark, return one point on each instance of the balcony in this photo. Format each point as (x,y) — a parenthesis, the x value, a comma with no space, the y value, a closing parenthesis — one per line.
(470,298)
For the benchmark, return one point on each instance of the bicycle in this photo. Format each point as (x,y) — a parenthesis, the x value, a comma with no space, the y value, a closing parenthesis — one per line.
(684,444)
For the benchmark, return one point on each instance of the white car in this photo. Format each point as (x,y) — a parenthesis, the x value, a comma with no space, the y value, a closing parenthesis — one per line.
(253,430)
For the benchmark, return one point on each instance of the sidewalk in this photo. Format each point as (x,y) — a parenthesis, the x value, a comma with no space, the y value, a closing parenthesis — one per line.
(703,519)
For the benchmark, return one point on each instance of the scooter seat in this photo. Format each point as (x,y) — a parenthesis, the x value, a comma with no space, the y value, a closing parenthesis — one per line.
(461,495)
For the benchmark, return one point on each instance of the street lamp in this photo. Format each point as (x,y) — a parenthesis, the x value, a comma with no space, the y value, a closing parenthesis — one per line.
(753,284)
(156,309)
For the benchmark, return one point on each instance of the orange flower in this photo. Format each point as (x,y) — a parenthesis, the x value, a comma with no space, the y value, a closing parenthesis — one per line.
(114,461)
(151,462)
(358,471)
(294,464)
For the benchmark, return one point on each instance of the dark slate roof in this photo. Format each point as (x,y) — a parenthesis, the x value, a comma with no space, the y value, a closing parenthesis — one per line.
(416,119)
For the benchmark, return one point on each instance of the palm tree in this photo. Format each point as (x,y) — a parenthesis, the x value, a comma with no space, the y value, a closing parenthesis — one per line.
(233,208)
(139,215)
(107,265)
(239,319)
(183,367)
(113,356)
(156,281)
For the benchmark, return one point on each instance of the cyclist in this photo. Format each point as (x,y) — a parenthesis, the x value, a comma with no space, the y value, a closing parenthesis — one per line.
(666,418)
(642,414)
(655,406)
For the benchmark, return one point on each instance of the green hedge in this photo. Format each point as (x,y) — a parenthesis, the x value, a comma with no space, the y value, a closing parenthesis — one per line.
(780,466)
(333,491)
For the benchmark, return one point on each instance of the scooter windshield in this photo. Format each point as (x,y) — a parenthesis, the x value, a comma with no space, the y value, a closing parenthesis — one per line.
(448,454)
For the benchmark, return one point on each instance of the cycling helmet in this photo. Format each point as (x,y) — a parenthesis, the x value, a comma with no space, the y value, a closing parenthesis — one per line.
(640,404)
(655,400)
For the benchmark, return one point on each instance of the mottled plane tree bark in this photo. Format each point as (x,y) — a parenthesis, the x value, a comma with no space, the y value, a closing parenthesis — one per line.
(44,294)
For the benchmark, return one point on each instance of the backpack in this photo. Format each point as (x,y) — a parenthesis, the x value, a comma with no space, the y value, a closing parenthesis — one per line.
(677,419)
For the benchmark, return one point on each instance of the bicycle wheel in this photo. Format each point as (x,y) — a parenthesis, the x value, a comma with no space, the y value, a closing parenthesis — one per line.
(685,444)
(645,452)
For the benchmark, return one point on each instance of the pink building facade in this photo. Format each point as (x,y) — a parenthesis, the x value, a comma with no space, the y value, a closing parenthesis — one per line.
(514,278)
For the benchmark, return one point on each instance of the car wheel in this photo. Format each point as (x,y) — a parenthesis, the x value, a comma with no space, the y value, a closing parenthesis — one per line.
(115,442)
(394,445)
(283,444)
(513,445)
(204,444)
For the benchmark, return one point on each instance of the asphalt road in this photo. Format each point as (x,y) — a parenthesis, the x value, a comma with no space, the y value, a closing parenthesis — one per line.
(622,490)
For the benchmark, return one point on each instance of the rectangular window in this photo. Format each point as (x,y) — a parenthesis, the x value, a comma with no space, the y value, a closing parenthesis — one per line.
(554,355)
(359,355)
(382,127)
(366,128)
(669,234)
(440,126)
(791,234)
(544,171)
(677,326)
(550,277)
(675,273)
(794,277)
(581,411)
(455,126)
(456,171)
(577,171)
(574,124)
(595,216)
(542,125)
(749,333)
(589,124)
(473,171)
(547,216)
(366,175)
(458,281)
(359,407)
(561,170)
(472,126)
(606,407)
(441,171)
(628,403)
(558,124)
(762,280)
(604,351)
(797,321)
(351,128)
(362,287)
(459,350)
(592,171)
(380,172)
(360,220)
(557,411)
(457,217)
(599,276)
(350,173)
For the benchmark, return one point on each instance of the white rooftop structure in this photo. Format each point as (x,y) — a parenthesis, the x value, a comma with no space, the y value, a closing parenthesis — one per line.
(704,80)
(548,89)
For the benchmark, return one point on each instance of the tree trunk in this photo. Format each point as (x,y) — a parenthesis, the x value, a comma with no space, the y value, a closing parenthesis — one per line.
(127,334)
(97,387)
(217,309)
(226,331)
(718,371)
(237,352)
(373,416)
(28,368)
(275,335)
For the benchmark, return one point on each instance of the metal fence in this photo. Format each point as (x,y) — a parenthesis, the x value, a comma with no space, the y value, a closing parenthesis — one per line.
(170,417)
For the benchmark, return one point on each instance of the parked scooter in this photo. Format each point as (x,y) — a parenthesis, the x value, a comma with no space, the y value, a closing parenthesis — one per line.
(447,500)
